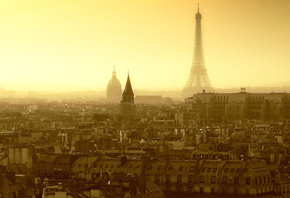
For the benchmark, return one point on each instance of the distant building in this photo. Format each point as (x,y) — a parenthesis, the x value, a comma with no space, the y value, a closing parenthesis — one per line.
(114,90)
(21,159)
(238,106)
(127,105)
(150,99)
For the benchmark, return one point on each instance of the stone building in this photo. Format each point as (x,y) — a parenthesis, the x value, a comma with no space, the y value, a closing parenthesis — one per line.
(237,106)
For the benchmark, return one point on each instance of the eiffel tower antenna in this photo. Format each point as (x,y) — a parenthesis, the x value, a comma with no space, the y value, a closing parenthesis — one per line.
(198,80)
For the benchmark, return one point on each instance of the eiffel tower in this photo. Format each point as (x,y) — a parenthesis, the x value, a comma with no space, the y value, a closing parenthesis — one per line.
(198,80)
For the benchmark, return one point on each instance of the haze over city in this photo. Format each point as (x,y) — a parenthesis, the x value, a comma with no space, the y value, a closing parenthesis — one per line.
(144,98)
(73,45)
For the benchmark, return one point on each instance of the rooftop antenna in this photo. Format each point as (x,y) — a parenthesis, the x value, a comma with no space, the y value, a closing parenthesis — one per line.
(198,7)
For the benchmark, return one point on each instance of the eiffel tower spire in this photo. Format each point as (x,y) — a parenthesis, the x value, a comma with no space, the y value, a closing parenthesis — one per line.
(198,79)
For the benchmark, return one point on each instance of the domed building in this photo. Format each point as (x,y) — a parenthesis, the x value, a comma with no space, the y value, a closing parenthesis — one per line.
(114,90)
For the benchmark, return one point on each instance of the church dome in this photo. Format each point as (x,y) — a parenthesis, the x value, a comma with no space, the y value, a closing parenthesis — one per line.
(114,90)
(114,82)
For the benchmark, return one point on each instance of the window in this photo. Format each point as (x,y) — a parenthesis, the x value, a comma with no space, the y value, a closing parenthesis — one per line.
(226,170)
(235,191)
(212,191)
(179,177)
(168,178)
(232,170)
(236,180)
(238,170)
(225,178)
(168,188)
(248,180)
(159,168)
(201,179)
(203,169)
(180,168)
(149,167)
(201,189)
(208,169)
(190,178)
(214,170)
(157,177)
(170,167)
(213,179)
(191,169)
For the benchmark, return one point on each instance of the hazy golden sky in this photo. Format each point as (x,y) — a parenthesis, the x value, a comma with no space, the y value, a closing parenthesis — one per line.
(73,44)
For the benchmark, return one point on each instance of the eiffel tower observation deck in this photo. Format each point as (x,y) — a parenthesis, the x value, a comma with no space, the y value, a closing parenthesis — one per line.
(198,80)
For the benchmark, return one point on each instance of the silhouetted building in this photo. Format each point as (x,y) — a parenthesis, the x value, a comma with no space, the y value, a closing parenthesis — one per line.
(114,90)
(127,106)
(198,79)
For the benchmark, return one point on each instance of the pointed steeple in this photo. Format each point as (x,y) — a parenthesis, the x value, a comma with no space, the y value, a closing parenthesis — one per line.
(128,88)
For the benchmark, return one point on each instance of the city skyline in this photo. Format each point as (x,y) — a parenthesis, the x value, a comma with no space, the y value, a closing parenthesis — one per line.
(73,45)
